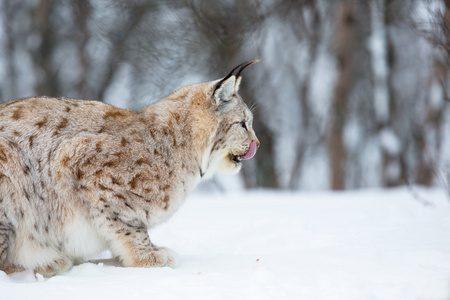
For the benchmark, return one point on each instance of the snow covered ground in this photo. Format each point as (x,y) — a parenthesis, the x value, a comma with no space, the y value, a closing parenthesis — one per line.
(371,244)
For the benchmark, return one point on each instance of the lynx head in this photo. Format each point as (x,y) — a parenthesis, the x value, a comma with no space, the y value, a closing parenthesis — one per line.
(234,140)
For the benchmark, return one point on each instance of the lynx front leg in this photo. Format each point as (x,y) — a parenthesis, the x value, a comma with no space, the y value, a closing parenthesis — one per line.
(131,244)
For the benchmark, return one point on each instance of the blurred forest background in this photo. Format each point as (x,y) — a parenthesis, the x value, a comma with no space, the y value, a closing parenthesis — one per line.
(349,93)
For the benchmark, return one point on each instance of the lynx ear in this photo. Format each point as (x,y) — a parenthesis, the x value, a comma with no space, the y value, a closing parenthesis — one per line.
(225,91)
(229,85)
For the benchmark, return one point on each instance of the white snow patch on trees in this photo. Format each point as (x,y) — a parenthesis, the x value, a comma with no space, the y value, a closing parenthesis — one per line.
(378,47)
(119,93)
(390,142)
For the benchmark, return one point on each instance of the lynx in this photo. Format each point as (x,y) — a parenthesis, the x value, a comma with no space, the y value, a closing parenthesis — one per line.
(79,177)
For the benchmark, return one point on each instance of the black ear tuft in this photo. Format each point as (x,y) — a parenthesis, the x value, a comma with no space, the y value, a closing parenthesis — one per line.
(236,72)
(244,65)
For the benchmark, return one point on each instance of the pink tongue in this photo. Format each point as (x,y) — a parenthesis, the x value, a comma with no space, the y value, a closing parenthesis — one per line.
(251,151)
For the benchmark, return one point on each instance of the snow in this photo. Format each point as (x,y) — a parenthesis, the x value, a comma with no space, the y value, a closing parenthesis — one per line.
(368,244)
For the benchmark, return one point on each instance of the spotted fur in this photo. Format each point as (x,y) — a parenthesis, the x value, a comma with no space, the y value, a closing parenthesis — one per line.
(78,177)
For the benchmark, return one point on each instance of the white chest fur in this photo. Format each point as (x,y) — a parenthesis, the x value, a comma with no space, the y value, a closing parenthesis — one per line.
(82,239)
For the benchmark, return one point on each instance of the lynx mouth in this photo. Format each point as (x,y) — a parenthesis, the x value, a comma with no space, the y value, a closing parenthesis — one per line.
(236,158)
(251,151)
(249,154)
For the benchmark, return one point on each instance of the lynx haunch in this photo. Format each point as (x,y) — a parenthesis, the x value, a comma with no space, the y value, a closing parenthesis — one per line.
(79,177)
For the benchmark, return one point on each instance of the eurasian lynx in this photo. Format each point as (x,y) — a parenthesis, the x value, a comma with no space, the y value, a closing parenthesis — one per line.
(79,177)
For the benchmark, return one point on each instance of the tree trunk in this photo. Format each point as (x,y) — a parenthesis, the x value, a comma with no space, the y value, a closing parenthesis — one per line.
(344,48)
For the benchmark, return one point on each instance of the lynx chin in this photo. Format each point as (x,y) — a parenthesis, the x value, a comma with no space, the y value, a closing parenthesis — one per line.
(79,177)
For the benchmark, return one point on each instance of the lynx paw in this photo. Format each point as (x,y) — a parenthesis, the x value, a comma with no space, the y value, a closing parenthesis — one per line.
(172,257)
(162,257)
(9,269)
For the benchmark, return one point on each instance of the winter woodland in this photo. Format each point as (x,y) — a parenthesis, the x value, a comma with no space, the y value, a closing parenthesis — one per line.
(348,94)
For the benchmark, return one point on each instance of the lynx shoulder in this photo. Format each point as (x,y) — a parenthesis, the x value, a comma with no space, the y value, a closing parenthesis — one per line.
(78,177)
